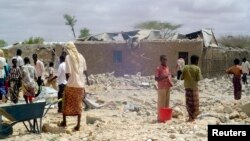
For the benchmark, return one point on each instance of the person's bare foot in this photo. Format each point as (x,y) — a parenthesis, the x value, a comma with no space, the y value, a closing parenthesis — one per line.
(62,124)
(190,120)
(77,128)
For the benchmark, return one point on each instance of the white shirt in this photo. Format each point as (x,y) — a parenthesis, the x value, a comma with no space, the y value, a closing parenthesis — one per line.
(76,79)
(181,64)
(2,64)
(245,67)
(61,75)
(19,61)
(40,70)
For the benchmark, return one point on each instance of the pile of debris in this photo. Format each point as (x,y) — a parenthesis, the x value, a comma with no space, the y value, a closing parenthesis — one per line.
(109,80)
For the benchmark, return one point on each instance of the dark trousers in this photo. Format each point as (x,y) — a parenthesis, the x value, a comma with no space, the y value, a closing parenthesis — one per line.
(60,95)
(244,78)
(179,72)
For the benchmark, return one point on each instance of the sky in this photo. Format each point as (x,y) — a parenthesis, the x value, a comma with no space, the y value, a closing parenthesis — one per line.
(21,19)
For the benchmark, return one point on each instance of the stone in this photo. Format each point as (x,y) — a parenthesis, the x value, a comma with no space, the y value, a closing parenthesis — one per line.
(91,119)
(52,129)
(224,119)
(177,112)
(228,110)
(172,136)
(246,109)
(243,115)
(201,134)
(234,115)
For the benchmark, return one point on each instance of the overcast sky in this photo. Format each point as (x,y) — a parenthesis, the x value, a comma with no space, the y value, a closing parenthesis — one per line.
(21,19)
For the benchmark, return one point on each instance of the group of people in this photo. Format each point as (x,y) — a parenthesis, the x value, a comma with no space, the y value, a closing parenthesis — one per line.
(70,76)
(20,74)
(191,74)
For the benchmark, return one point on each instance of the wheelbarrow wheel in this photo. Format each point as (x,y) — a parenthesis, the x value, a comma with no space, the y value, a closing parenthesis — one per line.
(5,130)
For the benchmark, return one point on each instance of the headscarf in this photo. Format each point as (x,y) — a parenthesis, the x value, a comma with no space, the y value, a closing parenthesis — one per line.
(1,53)
(73,54)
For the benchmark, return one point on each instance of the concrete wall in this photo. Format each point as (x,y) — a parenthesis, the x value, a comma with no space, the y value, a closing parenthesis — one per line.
(99,55)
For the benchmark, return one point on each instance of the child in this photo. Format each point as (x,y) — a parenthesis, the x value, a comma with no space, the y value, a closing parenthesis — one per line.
(163,77)
(191,75)
(236,70)
(51,81)
(15,78)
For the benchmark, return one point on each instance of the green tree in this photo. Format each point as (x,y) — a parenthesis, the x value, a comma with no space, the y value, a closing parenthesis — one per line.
(34,40)
(167,29)
(84,33)
(70,21)
(3,43)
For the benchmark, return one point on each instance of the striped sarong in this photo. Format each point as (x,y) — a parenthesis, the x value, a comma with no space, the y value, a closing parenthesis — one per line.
(237,87)
(192,103)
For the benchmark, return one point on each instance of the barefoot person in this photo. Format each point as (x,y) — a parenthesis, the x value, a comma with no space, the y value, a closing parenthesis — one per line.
(236,70)
(75,68)
(191,75)
(28,80)
(14,78)
(163,78)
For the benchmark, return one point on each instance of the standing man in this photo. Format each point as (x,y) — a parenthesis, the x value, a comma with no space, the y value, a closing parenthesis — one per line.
(75,65)
(179,67)
(61,79)
(236,70)
(245,70)
(40,71)
(191,75)
(19,58)
(163,78)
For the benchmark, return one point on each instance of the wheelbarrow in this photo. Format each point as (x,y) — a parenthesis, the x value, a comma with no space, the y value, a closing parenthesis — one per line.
(25,113)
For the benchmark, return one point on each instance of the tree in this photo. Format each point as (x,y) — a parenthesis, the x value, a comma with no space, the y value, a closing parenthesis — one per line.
(167,29)
(3,43)
(84,33)
(34,40)
(70,21)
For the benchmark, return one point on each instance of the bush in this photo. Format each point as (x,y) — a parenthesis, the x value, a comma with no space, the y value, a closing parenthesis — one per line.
(34,40)
(241,41)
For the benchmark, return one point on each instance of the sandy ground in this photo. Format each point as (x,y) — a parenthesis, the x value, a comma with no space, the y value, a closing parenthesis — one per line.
(130,113)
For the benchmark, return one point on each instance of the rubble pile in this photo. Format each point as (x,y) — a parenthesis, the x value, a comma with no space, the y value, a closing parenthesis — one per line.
(130,114)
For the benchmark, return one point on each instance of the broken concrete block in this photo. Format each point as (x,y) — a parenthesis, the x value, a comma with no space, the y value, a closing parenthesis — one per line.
(228,110)
(91,119)
(246,109)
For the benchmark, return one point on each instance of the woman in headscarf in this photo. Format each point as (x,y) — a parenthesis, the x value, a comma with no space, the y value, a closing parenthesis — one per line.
(28,80)
(75,68)
(3,74)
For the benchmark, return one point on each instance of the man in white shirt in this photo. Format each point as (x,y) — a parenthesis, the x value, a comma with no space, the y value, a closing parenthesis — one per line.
(245,70)
(179,67)
(40,71)
(61,79)
(18,57)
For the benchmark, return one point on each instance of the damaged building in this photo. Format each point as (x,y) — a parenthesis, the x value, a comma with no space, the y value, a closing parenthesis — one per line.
(138,51)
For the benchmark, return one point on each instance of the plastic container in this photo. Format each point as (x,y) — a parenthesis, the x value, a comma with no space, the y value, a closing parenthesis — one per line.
(165,114)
